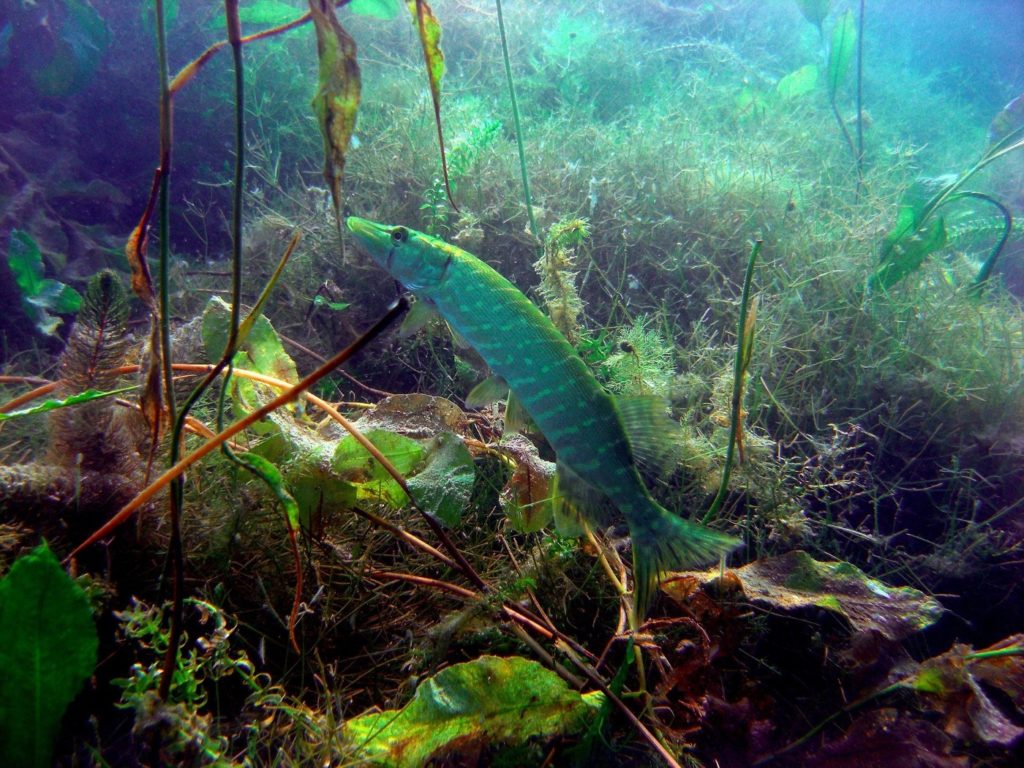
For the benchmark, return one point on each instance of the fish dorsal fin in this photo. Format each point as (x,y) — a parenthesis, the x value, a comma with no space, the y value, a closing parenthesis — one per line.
(653,434)
(575,499)
(490,390)
(420,313)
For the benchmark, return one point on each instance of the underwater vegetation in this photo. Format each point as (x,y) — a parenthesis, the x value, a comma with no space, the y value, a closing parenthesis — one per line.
(674,416)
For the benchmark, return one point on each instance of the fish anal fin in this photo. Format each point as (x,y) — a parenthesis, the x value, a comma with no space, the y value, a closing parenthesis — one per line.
(490,390)
(575,498)
(654,436)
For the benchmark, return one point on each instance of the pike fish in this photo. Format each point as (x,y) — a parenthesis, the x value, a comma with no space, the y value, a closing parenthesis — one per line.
(598,440)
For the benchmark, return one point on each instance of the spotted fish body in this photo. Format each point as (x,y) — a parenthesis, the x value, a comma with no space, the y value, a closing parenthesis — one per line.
(583,424)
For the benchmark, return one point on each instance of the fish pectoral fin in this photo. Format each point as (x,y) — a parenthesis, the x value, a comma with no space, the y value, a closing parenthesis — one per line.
(574,500)
(653,434)
(490,390)
(420,314)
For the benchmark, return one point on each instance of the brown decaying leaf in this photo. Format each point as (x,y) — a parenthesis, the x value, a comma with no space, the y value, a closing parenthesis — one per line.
(338,92)
(795,581)
(952,685)
(429,29)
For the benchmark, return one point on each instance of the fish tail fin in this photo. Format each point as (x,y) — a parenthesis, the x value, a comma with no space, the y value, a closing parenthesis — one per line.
(663,541)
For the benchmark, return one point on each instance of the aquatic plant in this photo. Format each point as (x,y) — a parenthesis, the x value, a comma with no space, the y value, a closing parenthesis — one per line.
(557,269)
(919,231)
(39,295)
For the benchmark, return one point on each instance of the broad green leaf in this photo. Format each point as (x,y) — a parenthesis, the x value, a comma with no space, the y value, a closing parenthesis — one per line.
(796,581)
(263,13)
(840,52)
(354,464)
(468,708)
(25,262)
(442,488)
(379,9)
(262,351)
(78,47)
(52,405)
(48,647)
(338,92)
(815,11)
(39,295)
(907,253)
(798,82)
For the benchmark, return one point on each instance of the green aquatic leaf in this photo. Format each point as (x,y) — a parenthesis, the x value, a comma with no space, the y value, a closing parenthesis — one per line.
(51,405)
(379,9)
(336,306)
(39,295)
(48,645)
(840,52)
(78,48)
(271,476)
(907,249)
(261,351)
(443,487)
(798,82)
(354,464)
(815,11)
(263,13)
(483,704)
(25,262)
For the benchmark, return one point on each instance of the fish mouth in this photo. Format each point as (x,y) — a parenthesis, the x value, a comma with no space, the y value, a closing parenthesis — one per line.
(367,232)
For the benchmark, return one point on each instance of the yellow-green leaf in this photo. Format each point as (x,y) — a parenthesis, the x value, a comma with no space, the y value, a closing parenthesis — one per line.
(484,704)
(429,29)
(338,91)
(798,82)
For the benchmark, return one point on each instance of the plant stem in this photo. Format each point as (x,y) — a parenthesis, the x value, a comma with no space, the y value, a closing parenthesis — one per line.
(860,84)
(737,386)
(518,126)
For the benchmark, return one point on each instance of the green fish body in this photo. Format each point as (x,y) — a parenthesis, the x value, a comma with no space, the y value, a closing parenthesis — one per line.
(585,426)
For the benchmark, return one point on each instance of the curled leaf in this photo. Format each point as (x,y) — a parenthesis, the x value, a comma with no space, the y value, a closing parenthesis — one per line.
(429,29)
(338,91)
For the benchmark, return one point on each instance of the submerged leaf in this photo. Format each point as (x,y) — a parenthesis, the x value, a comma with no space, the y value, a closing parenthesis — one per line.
(39,295)
(354,464)
(429,29)
(798,82)
(48,647)
(338,91)
(486,703)
(442,488)
(815,11)
(379,9)
(840,52)
(52,405)
(951,684)
(795,581)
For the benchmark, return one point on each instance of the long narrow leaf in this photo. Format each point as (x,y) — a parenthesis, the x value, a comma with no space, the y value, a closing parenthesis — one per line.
(840,54)
(52,405)
(430,37)
(337,96)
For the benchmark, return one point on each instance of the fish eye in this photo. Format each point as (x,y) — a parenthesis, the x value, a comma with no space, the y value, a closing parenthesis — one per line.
(399,234)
